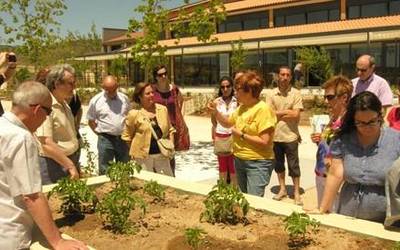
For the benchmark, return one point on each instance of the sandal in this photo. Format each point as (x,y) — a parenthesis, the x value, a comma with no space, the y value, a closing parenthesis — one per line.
(279,196)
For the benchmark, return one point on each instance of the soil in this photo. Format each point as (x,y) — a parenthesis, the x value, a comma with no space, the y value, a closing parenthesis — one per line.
(164,224)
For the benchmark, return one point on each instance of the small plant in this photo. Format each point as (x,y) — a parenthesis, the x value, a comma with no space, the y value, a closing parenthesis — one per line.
(116,207)
(154,189)
(297,225)
(90,158)
(396,246)
(121,172)
(226,204)
(77,198)
(194,236)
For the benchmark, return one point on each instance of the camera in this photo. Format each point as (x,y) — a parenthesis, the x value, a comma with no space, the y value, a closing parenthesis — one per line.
(11,58)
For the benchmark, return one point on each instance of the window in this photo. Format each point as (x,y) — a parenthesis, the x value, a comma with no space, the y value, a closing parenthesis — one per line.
(296,19)
(233,26)
(273,59)
(353,12)
(391,59)
(279,21)
(250,21)
(372,10)
(251,24)
(195,70)
(317,16)
(334,15)
(394,7)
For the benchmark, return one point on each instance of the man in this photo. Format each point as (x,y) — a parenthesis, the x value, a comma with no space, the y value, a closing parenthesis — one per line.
(21,201)
(106,116)
(367,80)
(287,103)
(8,63)
(59,154)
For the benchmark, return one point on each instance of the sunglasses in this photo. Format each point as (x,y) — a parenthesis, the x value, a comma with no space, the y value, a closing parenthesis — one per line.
(329,97)
(372,123)
(47,110)
(226,87)
(162,74)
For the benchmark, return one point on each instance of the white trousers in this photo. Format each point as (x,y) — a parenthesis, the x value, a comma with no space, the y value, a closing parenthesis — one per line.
(156,163)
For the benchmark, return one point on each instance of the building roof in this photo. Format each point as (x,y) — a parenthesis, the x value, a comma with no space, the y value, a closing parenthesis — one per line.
(297,30)
(124,37)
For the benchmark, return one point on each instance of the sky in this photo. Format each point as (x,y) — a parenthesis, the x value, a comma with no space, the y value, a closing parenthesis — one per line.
(103,13)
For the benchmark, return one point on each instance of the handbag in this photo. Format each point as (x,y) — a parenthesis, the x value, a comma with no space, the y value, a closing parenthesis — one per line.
(165,145)
(223,145)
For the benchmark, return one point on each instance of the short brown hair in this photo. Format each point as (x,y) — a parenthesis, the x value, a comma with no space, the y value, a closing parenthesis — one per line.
(250,80)
(137,93)
(341,84)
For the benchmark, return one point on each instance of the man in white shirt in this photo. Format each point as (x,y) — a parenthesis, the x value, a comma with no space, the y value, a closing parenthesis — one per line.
(106,115)
(22,202)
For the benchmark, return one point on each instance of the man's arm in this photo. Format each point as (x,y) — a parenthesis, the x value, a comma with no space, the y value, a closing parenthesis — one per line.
(93,125)
(288,115)
(38,207)
(53,151)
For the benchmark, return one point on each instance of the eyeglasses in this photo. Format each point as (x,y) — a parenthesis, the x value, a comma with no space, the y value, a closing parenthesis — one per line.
(361,70)
(372,123)
(329,97)
(164,74)
(47,110)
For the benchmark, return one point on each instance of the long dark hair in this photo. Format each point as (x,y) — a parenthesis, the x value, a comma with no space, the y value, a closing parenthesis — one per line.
(364,101)
(225,78)
(156,69)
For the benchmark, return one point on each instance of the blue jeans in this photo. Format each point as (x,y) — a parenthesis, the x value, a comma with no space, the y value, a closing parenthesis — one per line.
(253,175)
(51,171)
(111,147)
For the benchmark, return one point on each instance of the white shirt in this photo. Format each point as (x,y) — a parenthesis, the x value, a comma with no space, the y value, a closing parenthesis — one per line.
(19,174)
(109,114)
(226,110)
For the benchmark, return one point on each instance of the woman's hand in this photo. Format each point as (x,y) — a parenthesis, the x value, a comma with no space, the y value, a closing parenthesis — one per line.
(316,137)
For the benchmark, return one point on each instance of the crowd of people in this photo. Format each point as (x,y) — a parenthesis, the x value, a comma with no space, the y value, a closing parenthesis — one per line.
(253,137)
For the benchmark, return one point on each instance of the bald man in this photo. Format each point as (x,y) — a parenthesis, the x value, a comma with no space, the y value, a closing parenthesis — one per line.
(106,116)
(367,80)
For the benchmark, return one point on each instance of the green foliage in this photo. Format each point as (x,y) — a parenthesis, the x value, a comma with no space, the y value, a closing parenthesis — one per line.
(85,94)
(116,207)
(117,67)
(317,61)
(22,75)
(238,56)
(75,195)
(90,157)
(396,246)
(297,225)
(194,236)
(33,23)
(226,204)
(121,172)
(154,189)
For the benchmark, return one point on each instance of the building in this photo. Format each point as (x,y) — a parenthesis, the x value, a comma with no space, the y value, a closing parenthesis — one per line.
(270,30)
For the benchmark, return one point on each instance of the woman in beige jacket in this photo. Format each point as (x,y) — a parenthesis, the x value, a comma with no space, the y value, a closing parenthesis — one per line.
(137,131)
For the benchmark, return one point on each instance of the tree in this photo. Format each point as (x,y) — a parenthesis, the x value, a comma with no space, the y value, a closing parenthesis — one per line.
(118,67)
(317,61)
(238,56)
(200,23)
(33,23)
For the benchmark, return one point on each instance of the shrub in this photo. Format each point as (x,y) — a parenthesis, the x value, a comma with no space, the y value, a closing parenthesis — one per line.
(121,172)
(297,225)
(154,189)
(226,204)
(90,158)
(76,196)
(194,236)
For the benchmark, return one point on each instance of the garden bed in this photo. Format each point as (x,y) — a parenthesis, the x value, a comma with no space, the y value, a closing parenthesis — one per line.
(164,223)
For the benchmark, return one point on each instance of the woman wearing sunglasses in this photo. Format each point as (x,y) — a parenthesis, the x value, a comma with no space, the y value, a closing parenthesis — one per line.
(226,104)
(362,153)
(338,91)
(169,95)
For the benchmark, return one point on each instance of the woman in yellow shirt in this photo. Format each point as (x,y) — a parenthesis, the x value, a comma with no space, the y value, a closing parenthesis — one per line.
(252,126)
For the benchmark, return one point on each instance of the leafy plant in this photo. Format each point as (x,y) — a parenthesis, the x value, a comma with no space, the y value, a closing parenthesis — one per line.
(116,207)
(194,236)
(226,204)
(297,225)
(76,196)
(154,189)
(121,172)
(238,56)
(396,246)
(90,157)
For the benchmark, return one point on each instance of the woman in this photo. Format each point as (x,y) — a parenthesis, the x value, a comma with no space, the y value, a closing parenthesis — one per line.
(138,132)
(226,104)
(362,153)
(338,90)
(169,95)
(252,126)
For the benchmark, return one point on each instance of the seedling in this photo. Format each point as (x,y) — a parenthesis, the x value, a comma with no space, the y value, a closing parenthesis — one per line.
(396,246)
(226,204)
(120,172)
(116,207)
(76,196)
(154,189)
(297,225)
(194,236)
(90,158)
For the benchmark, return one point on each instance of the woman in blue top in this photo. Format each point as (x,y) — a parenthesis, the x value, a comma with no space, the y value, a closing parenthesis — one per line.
(362,153)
